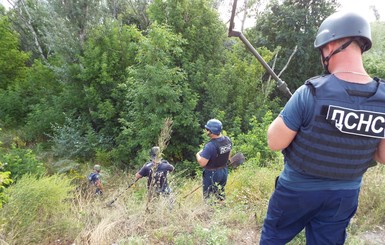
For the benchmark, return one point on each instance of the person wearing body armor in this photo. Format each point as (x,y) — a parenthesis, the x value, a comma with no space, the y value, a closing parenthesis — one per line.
(94,179)
(156,170)
(214,158)
(330,132)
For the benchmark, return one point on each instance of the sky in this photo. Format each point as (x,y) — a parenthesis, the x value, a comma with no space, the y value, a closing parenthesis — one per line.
(361,6)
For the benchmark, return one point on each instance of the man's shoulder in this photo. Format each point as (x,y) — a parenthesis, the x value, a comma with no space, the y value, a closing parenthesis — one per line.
(93,176)
(148,165)
(165,163)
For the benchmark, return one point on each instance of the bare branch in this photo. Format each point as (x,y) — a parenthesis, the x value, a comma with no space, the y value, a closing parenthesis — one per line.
(29,25)
(288,61)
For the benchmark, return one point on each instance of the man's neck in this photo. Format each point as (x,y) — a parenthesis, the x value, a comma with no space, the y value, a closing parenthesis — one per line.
(214,136)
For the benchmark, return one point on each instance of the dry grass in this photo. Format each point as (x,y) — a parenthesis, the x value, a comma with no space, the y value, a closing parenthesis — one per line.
(181,218)
(184,218)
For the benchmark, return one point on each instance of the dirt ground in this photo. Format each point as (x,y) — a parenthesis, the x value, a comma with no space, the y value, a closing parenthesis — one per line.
(376,237)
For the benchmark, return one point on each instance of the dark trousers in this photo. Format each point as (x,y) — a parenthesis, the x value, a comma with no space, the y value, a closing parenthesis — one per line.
(325,216)
(214,182)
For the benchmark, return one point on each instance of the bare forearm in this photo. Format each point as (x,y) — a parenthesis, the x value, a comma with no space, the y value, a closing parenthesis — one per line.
(201,160)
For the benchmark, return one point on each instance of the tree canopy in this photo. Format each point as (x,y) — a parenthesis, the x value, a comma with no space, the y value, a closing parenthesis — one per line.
(92,80)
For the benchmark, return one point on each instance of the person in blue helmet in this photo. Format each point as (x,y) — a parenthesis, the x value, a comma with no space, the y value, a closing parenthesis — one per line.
(94,179)
(330,132)
(213,158)
(156,172)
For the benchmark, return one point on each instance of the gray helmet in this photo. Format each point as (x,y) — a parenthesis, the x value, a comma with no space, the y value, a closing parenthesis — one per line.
(155,152)
(344,24)
(214,126)
(97,167)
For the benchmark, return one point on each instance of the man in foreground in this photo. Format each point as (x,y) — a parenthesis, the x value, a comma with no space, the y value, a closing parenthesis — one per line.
(330,132)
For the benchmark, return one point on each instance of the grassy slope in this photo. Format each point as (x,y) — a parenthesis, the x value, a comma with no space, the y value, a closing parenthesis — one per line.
(184,218)
(190,221)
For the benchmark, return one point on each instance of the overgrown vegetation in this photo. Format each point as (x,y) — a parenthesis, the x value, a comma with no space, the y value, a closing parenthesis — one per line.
(90,82)
(50,209)
(38,210)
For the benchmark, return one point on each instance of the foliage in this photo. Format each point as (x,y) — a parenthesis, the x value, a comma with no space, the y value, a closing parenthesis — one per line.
(37,207)
(40,119)
(76,139)
(287,25)
(20,161)
(253,144)
(34,102)
(53,212)
(374,58)
(5,181)
(98,89)
(12,59)
(12,70)
(11,108)
(238,87)
(156,90)
(203,50)
(131,12)
(107,81)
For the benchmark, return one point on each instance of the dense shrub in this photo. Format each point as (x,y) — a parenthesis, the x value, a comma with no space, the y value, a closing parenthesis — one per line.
(20,161)
(5,180)
(76,139)
(253,144)
(37,207)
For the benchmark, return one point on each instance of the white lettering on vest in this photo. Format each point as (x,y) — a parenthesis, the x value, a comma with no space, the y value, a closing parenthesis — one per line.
(358,122)
(224,149)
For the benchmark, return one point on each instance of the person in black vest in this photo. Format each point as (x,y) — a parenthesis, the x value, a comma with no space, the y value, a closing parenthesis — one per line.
(214,158)
(330,132)
(156,170)
(94,178)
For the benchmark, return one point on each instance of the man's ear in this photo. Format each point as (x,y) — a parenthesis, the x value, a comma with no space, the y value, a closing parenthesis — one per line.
(328,48)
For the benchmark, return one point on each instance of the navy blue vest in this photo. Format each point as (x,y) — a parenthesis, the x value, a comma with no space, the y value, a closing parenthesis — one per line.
(223,151)
(160,175)
(342,137)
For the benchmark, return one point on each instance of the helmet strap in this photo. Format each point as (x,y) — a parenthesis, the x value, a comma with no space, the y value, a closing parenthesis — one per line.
(325,60)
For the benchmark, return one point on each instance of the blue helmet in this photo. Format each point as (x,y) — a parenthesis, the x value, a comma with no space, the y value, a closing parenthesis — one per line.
(214,126)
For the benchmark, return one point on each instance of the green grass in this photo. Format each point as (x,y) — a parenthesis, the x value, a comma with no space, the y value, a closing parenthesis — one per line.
(183,218)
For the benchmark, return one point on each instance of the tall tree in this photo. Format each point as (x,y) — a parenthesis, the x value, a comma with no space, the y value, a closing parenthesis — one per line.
(374,58)
(290,24)
(156,90)
(110,49)
(13,72)
(199,24)
(12,59)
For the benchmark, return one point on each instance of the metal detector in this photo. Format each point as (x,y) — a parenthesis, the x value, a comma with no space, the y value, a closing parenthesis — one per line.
(282,86)
(121,193)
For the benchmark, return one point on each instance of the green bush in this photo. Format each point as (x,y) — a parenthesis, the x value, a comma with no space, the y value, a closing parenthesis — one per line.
(5,180)
(37,207)
(253,144)
(20,161)
(76,139)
